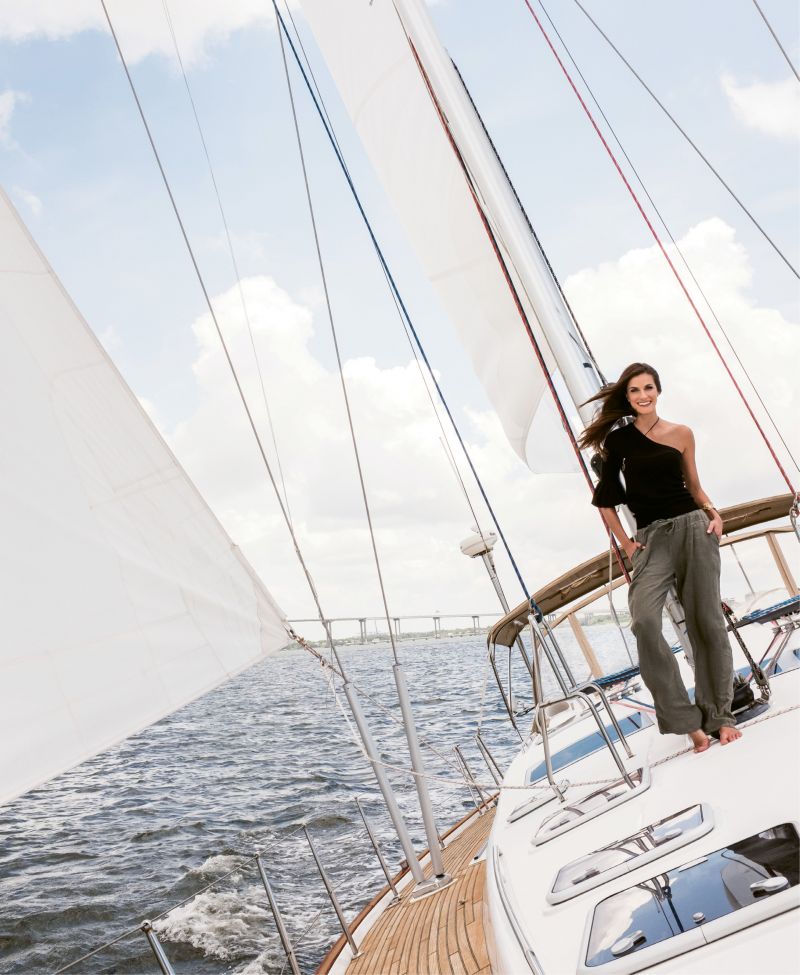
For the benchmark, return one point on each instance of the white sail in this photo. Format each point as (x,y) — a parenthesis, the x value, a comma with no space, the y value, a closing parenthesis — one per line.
(369,57)
(122,596)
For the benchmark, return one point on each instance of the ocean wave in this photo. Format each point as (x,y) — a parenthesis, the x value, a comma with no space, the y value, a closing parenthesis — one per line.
(225,925)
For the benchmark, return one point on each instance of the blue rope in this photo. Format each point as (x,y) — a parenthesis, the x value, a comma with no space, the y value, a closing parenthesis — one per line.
(404,310)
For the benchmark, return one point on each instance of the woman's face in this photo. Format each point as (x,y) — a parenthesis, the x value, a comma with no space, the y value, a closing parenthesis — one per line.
(642,394)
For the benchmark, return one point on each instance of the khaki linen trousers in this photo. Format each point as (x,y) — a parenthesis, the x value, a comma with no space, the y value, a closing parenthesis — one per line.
(680,551)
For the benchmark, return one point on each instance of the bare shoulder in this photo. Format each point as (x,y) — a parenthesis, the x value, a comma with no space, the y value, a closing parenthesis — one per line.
(679,431)
(677,435)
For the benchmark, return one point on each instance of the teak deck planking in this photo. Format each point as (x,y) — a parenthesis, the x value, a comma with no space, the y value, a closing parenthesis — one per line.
(441,934)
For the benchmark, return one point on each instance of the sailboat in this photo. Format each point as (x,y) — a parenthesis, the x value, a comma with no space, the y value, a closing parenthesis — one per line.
(605,847)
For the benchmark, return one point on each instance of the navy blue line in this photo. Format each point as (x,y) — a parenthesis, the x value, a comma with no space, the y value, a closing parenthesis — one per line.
(401,303)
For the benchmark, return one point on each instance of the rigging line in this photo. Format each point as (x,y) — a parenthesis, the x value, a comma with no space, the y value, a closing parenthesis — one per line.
(327,118)
(777,41)
(406,315)
(231,250)
(514,295)
(388,712)
(684,133)
(501,261)
(335,338)
(662,248)
(669,233)
(96,951)
(586,350)
(540,784)
(614,609)
(311,72)
(456,473)
(223,343)
(444,439)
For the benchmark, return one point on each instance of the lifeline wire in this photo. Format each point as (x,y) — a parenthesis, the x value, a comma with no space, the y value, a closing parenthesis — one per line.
(234,262)
(775,38)
(661,246)
(669,233)
(138,929)
(402,305)
(682,131)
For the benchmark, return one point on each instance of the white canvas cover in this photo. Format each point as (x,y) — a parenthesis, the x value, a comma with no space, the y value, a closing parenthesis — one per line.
(122,596)
(370,60)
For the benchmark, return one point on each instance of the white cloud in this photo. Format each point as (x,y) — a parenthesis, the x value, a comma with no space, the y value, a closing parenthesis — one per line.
(31,200)
(141,26)
(770,107)
(9,99)
(633,310)
(630,308)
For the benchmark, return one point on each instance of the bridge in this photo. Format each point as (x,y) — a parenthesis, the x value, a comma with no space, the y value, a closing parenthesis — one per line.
(364,621)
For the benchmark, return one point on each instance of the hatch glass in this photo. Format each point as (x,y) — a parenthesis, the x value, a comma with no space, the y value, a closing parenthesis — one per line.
(699,892)
(631,852)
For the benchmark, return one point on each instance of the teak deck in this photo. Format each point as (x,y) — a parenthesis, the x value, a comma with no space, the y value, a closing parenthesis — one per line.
(438,935)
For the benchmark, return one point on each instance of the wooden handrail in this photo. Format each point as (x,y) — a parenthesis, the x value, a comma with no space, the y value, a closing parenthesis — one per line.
(592,574)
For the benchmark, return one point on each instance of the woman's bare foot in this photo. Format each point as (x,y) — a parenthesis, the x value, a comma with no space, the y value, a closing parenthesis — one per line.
(700,740)
(727,734)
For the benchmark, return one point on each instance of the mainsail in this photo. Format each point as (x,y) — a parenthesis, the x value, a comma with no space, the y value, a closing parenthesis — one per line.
(123,598)
(372,64)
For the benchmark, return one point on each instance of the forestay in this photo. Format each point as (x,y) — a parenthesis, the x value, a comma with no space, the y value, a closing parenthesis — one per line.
(123,598)
(372,64)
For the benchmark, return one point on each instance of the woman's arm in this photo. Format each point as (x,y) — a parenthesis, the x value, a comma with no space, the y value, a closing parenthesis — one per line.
(693,486)
(626,543)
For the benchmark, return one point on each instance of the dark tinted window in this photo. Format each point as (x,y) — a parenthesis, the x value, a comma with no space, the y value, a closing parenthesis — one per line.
(702,890)
(589,744)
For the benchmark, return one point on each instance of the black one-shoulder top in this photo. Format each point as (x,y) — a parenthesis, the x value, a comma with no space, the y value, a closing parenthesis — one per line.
(654,486)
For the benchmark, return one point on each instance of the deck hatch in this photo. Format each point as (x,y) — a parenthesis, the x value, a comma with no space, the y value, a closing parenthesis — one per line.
(706,899)
(631,852)
(581,810)
(589,745)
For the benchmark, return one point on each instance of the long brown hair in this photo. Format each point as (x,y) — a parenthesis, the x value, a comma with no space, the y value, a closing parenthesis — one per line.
(614,405)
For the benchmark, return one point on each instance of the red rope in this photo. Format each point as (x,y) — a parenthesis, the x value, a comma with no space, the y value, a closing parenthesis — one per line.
(662,249)
(515,296)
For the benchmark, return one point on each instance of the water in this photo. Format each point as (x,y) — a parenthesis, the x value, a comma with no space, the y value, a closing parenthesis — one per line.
(147,824)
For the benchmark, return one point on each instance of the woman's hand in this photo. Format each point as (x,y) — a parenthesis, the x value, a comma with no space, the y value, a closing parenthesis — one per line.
(715,525)
(630,547)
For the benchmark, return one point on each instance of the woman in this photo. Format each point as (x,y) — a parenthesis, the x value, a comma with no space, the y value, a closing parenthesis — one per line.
(676,543)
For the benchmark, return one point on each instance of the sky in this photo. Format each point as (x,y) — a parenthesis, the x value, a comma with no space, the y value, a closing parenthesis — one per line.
(76,162)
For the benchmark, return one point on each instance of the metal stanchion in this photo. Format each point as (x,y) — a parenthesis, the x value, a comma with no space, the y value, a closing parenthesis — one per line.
(383,783)
(491,764)
(378,852)
(470,777)
(439,878)
(332,895)
(286,941)
(468,783)
(158,951)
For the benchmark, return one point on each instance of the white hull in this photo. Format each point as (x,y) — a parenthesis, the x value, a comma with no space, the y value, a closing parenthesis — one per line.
(750,785)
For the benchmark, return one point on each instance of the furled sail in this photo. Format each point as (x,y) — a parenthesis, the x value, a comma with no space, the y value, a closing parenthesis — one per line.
(122,596)
(371,62)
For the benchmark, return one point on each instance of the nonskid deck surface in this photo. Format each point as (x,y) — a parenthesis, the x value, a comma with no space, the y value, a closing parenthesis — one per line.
(748,786)
(442,933)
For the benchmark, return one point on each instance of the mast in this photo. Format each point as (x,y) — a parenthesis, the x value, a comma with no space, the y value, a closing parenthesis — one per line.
(510,228)
(501,207)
